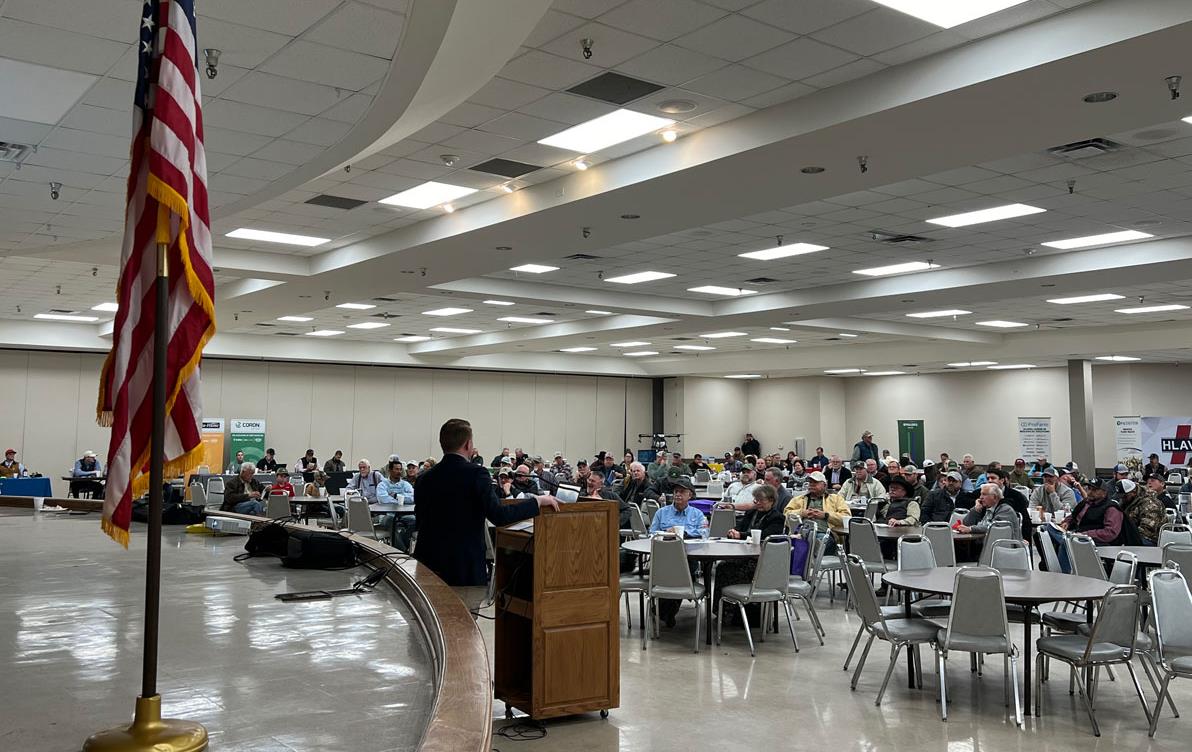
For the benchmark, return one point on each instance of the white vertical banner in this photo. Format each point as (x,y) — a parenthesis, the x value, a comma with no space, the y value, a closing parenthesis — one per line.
(1127,436)
(1034,438)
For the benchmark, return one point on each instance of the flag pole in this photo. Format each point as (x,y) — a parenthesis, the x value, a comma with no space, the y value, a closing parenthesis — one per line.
(149,732)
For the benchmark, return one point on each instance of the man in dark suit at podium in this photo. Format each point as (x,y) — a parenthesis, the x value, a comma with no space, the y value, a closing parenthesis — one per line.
(452,500)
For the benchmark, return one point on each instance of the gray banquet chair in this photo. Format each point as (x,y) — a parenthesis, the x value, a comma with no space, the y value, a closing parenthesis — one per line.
(770,582)
(1010,554)
(670,578)
(722,521)
(1174,533)
(803,587)
(1180,554)
(942,543)
(1172,605)
(999,530)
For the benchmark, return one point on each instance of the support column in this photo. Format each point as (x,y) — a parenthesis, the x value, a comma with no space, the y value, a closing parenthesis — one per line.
(1080,413)
(657,420)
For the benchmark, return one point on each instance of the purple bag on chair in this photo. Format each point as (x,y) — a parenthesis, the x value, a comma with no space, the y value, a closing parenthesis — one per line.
(799,550)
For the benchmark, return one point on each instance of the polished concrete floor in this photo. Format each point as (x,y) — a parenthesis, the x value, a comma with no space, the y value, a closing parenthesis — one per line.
(261,675)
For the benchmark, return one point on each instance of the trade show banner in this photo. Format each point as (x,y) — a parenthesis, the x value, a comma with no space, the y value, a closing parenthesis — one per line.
(212,438)
(1170,438)
(1034,438)
(910,440)
(247,435)
(1127,430)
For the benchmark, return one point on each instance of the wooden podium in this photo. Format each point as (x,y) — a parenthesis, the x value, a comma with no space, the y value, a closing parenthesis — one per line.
(557,632)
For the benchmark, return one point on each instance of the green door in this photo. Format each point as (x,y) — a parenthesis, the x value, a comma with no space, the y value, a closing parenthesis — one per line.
(910,440)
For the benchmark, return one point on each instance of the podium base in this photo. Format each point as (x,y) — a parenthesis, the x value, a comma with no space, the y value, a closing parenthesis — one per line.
(150,733)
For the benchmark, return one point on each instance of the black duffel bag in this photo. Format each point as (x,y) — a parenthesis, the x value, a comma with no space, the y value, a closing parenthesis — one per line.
(318,549)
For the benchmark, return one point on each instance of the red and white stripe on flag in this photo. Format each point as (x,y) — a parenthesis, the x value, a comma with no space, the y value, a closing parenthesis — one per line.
(167,203)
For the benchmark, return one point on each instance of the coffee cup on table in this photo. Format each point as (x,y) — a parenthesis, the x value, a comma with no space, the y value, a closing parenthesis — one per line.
(755,537)
(677,530)
(38,503)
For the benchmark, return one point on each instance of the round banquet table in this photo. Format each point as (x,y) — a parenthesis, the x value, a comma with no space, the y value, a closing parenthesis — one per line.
(897,531)
(1029,589)
(1148,556)
(709,552)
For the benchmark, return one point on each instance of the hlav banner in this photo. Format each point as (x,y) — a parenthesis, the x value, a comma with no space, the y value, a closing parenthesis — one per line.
(1170,438)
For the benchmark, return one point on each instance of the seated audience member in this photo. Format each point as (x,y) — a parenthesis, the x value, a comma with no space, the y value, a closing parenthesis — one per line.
(819,460)
(968,468)
(740,492)
(411,471)
(307,463)
(828,510)
(902,507)
(983,478)
(751,445)
(798,475)
(658,468)
(836,473)
(560,469)
(1154,467)
(336,463)
(583,472)
(765,517)
(1097,516)
(697,463)
(594,487)
(945,458)
(86,471)
(504,483)
(773,477)
(941,500)
(1157,485)
(315,487)
(1040,464)
(862,485)
(730,463)
(281,485)
(268,463)
(694,525)
(931,475)
(887,469)
(990,507)
(1143,509)
(498,458)
(1121,472)
(243,493)
(1069,479)
(544,479)
(1020,476)
(914,476)
(365,481)
(519,457)
(394,488)
(608,469)
(636,487)
(234,465)
(1015,498)
(524,482)
(1052,495)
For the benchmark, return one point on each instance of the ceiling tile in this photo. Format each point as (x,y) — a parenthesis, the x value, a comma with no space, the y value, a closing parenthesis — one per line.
(845,73)
(88,142)
(612,46)
(470,115)
(506,94)
(482,142)
(875,31)
(735,82)
(779,95)
(24,132)
(361,28)
(668,64)
(43,45)
(87,117)
(249,167)
(800,59)
(327,65)
(567,108)
(351,109)
(280,93)
(231,142)
(661,19)
(249,118)
(703,103)
(734,38)
(242,45)
(806,16)
(539,154)
(1005,19)
(284,16)
(108,19)
(928,45)
(552,26)
(289,152)
(549,71)
(319,131)
(586,8)
(523,127)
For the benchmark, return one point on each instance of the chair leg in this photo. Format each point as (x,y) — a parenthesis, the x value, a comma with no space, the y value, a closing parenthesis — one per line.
(1088,705)
(1163,692)
(748,632)
(895,650)
(1017,696)
(1039,663)
(853,649)
(719,619)
(861,662)
(1138,689)
(815,622)
(790,623)
(628,616)
(650,605)
(1152,674)
(942,662)
(699,615)
(764,621)
(1006,679)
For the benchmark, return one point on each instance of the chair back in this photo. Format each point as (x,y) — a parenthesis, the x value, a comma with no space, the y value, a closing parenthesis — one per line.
(1179,554)
(861,591)
(490,550)
(198,495)
(998,530)
(277,507)
(1046,546)
(702,476)
(815,556)
(1172,604)
(215,485)
(915,552)
(359,517)
(1175,479)
(871,507)
(637,522)
(715,489)
(793,523)
(649,509)
(774,565)
(668,565)
(978,605)
(1174,533)
(1010,554)
(1082,555)
(1117,619)
(939,534)
(723,520)
(863,540)
(958,515)
(1125,564)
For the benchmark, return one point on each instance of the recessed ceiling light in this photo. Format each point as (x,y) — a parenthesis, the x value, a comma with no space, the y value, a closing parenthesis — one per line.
(939,314)
(669,135)
(506,188)
(1104,239)
(628,344)
(582,164)
(534,268)
(356,306)
(1187,120)
(577,349)
(949,13)
(1097,97)
(885,373)
(694,348)
(427,195)
(447,311)
(597,312)
(448,208)
(368,325)
(631,216)
(997,324)
(276,237)
(677,106)
(982,216)
(845,370)
(605,131)
(973,363)
(503,248)
(1117,358)
(1097,298)
(453,330)
(717,290)
(324,333)
(780,328)
(774,341)
(909,266)
(1141,309)
(1011,366)
(723,335)
(525,320)
(65,317)
(296,319)
(783,251)
(742,376)
(639,353)
(639,277)
(412,338)
(811,170)
(850,336)
(106,307)
(498,302)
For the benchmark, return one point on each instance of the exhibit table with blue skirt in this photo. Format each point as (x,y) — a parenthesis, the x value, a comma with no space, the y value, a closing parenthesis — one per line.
(26,487)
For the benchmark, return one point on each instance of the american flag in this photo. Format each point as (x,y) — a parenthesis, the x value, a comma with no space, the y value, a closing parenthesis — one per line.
(167,203)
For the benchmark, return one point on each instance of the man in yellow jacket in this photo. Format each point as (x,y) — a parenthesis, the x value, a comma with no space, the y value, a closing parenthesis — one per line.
(827,510)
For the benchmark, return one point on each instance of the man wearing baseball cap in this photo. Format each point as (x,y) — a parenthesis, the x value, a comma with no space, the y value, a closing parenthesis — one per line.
(862,484)
(1142,508)
(1157,485)
(826,509)
(86,471)
(1051,495)
(10,468)
(941,500)
(1100,518)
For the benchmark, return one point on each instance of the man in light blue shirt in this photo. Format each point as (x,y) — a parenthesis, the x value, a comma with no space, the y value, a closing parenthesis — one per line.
(393,489)
(695,525)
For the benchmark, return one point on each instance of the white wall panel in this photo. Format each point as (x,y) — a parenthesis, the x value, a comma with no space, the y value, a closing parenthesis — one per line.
(333,411)
(577,418)
(372,427)
(550,411)
(483,411)
(608,418)
(417,435)
(639,416)
(288,411)
(517,411)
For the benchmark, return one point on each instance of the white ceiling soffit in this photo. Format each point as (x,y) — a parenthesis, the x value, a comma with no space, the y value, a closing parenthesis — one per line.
(38,93)
(1014,93)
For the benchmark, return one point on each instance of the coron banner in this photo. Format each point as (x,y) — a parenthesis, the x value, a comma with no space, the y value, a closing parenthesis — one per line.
(247,435)
(1170,438)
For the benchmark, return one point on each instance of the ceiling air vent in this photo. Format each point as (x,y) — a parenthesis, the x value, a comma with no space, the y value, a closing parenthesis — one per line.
(581,257)
(895,238)
(761,281)
(1093,147)
(506,168)
(64,311)
(262,323)
(385,315)
(15,153)
(286,334)
(386,300)
(681,339)
(614,88)
(335,202)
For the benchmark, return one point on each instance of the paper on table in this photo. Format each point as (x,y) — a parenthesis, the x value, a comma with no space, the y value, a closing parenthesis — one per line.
(524,525)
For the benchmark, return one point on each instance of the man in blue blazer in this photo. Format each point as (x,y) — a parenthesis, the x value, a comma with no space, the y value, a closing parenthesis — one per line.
(451,502)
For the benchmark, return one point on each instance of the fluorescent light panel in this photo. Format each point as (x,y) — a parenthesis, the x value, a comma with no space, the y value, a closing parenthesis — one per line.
(596,312)
(845,370)
(885,373)
(743,376)
(628,344)
(909,266)
(411,338)
(1117,358)
(449,311)
(1136,309)
(64,317)
(850,336)
(106,307)
(1096,298)
(783,251)
(949,13)
(694,348)
(639,277)
(982,216)
(639,353)
(1011,366)
(577,349)
(324,333)
(368,325)
(453,330)
(525,320)
(973,363)
(938,314)
(498,302)
(534,268)
(774,341)
(296,319)
(716,290)
(245,233)
(780,328)
(1104,239)
(607,130)
(427,195)
(356,306)
(723,335)
(999,324)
